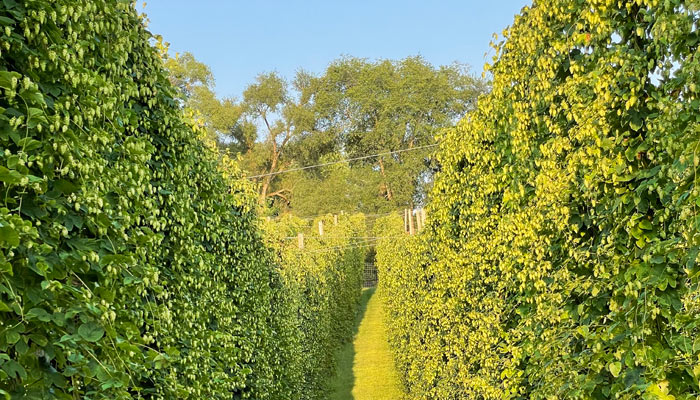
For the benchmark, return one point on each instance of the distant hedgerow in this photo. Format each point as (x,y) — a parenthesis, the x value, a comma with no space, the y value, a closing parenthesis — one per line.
(323,283)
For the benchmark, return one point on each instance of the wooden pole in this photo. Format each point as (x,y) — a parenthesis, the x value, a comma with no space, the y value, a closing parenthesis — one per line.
(423,215)
(300,237)
(419,220)
(410,222)
(405,219)
(320,228)
(335,219)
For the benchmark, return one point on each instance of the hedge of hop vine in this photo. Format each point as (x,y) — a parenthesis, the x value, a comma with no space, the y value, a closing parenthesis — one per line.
(131,266)
(560,259)
(323,282)
(402,286)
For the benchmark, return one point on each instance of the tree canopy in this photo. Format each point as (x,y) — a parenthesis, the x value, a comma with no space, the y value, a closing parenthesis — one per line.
(374,107)
(354,110)
(221,117)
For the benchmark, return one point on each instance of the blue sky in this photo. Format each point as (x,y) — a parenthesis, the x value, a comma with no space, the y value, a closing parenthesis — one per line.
(240,39)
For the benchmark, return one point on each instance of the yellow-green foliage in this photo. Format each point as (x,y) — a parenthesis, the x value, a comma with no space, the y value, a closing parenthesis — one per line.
(131,266)
(403,288)
(560,257)
(323,283)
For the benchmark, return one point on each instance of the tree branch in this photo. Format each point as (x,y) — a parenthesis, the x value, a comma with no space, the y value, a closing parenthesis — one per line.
(287,136)
(279,194)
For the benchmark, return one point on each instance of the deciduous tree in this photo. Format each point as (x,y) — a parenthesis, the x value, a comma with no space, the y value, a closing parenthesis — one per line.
(221,117)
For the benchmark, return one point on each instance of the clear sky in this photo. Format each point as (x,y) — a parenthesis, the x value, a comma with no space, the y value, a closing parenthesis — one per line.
(240,39)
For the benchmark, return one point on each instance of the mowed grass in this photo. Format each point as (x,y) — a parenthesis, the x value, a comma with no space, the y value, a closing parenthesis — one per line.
(365,367)
(341,385)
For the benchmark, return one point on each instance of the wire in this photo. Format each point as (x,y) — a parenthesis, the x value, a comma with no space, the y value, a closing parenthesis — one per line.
(311,217)
(357,245)
(341,161)
(342,237)
(325,250)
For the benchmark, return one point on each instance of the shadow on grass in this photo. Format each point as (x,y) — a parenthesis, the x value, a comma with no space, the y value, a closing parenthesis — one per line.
(342,383)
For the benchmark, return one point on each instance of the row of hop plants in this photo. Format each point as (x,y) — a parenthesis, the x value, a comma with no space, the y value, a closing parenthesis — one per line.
(560,259)
(133,264)
(322,285)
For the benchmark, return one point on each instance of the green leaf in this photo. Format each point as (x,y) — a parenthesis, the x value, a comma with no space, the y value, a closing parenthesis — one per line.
(9,235)
(658,259)
(636,233)
(615,368)
(91,331)
(73,220)
(626,177)
(9,176)
(32,97)
(12,337)
(39,313)
(692,255)
(636,123)
(4,307)
(646,225)
(29,144)
(113,258)
(6,78)
(14,369)
(35,116)
(41,340)
(6,268)
(65,187)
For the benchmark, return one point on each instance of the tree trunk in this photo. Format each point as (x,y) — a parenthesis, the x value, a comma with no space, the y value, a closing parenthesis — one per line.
(389,195)
(268,179)
(263,190)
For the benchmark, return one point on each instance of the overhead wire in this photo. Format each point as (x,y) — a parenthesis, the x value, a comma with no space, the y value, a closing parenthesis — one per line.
(325,250)
(360,241)
(368,241)
(342,237)
(341,161)
(311,217)
(361,244)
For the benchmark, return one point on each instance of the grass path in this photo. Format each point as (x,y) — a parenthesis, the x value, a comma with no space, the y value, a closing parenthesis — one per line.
(365,367)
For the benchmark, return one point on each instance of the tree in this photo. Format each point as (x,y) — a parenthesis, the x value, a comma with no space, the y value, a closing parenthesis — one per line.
(369,107)
(283,115)
(334,188)
(222,117)
(356,108)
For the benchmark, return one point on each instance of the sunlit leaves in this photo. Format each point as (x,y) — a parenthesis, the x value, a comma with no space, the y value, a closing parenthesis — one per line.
(131,260)
(322,286)
(561,252)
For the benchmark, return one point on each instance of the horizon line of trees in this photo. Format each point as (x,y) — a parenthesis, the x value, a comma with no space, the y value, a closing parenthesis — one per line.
(356,107)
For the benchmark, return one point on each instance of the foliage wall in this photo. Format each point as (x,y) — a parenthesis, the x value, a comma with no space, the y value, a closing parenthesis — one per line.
(323,283)
(560,258)
(131,260)
(402,287)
